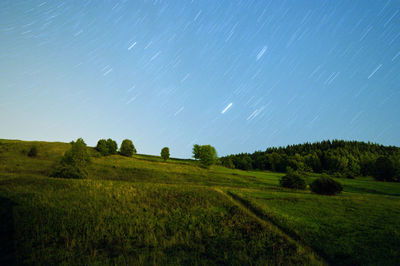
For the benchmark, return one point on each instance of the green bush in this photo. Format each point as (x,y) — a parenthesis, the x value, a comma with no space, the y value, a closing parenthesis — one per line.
(165,153)
(33,151)
(74,162)
(69,171)
(127,148)
(326,186)
(293,180)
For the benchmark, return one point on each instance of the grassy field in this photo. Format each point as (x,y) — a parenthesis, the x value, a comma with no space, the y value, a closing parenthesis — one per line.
(143,210)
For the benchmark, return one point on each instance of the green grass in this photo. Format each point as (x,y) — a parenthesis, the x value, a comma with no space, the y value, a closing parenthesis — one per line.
(352,228)
(142,210)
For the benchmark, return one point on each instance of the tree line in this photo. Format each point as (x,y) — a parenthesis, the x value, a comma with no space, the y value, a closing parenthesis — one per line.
(75,161)
(337,157)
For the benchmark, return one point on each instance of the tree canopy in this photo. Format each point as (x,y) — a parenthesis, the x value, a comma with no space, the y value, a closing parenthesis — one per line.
(165,153)
(107,147)
(345,158)
(74,162)
(206,154)
(127,148)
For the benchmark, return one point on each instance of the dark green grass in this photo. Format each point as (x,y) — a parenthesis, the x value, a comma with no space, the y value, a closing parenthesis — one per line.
(350,229)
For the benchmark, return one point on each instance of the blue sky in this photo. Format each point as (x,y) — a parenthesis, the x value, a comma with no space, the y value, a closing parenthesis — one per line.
(239,75)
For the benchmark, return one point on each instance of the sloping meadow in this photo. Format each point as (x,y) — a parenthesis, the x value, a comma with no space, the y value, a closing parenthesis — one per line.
(113,222)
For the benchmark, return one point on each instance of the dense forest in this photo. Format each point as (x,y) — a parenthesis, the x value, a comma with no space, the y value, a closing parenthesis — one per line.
(338,157)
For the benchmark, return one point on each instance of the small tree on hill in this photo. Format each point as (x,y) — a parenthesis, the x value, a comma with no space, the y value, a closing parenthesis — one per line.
(206,154)
(196,151)
(102,147)
(74,162)
(112,146)
(165,153)
(127,148)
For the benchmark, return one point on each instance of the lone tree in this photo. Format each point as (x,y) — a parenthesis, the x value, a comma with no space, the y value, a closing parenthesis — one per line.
(74,162)
(127,148)
(206,154)
(165,153)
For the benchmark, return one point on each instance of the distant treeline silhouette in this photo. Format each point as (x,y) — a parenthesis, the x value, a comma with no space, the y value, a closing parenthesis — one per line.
(339,157)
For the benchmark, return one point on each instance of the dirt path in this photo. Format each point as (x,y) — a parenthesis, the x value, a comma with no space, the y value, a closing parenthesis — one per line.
(262,219)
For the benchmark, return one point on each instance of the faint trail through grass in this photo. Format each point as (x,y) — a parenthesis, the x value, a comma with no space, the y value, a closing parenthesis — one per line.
(260,217)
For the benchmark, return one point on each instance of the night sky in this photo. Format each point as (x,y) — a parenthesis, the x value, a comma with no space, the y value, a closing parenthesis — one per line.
(239,75)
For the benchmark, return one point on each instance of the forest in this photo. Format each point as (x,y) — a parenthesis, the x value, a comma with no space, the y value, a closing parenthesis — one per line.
(338,157)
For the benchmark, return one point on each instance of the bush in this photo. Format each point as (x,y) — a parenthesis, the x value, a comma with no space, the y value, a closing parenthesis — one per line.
(33,151)
(293,180)
(326,186)
(74,162)
(70,171)
(127,148)
(165,153)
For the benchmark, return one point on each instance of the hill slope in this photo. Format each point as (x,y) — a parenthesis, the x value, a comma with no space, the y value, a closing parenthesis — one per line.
(142,210)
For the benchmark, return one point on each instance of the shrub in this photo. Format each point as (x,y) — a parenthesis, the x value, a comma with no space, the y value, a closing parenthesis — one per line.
(74,162)
(70,171)
(326,186)
(127,148)
(293,180)
(165,153)
(33,151)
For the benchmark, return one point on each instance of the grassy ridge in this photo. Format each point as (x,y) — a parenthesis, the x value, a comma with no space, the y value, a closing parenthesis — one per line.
(143,210)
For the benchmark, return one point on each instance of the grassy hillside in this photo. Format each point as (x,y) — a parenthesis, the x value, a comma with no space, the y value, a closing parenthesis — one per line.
(142,210)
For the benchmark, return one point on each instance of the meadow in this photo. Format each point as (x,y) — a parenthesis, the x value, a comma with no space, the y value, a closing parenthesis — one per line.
(142,210)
